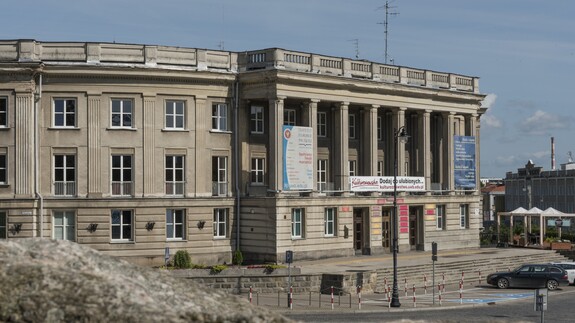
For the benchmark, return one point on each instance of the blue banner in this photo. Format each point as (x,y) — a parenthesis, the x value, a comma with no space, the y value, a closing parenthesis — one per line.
(464,162)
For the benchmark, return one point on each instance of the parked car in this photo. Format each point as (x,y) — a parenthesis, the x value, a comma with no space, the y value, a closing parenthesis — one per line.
(569,268)
(531,276)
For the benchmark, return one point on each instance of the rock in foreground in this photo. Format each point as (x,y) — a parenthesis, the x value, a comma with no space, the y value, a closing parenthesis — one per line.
(44,280)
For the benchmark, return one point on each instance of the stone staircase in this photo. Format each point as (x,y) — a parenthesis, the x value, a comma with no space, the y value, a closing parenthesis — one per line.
(451,273)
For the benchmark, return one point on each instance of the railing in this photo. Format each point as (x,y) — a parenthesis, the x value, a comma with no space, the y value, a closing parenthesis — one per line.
(149,55)
(65,188)
(122,188)
(219,188)
(175,188)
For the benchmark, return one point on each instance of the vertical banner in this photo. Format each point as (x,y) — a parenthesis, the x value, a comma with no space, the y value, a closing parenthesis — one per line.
(464,162)
(298,168)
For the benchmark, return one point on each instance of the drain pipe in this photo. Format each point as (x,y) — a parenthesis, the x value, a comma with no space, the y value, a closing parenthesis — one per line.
(237,162)
(37,98)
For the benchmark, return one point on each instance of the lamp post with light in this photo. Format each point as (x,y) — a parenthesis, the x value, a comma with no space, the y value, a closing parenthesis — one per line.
(398,135)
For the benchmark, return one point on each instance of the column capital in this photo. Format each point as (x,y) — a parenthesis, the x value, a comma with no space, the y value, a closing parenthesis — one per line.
(314,100)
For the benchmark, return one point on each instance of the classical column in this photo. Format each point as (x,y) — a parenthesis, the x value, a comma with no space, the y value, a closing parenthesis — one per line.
(202,154)
(448,166)
(310,120)
(276,115)
(370,140)
(94,146)
(341,156)
(425,146)
(151,175)
(24,162)
(398,122)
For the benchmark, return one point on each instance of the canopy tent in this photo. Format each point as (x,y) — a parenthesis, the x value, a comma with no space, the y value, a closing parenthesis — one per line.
(529,214)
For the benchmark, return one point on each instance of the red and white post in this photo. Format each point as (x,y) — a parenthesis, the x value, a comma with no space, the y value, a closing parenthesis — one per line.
(291,298)
(332,297)
(359,296)
(250,294)
(414,303)
(461,292)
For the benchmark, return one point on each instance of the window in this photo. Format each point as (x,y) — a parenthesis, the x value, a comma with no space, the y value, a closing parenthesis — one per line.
(64,225)
(122,225)
(352,168)
(379,168)
(175,178)
(440,217)
(351,118)
(3,112)
(65,113)
(122,175)
(175,224)
(3,225)
(257,171)
(297,223)
(289,117)
(65,175)
(220,117)
(220,223)
(3,168)
(322,124)
(330,223)
(219,176)
(122,113)
(321,175)
(464,216)
(175,115)
(257,119)
(379,129)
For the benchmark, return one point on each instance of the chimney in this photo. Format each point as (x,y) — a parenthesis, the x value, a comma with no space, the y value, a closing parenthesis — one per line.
(552,153)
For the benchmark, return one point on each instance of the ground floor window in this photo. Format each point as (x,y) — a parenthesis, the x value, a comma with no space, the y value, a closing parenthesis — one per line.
(220,223)
(464,216)
(64,225)
(3,225)
(440,217)
(122,225)
(175,224)
(297,221)
(330,222)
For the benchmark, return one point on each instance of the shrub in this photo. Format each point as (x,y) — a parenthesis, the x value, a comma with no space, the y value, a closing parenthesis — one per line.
(182,259)
(216,269)
(237,258)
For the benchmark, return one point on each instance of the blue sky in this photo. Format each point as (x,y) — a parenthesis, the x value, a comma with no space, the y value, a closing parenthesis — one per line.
(522,50)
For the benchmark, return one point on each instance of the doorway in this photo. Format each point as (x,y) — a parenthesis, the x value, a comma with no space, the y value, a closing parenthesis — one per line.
(386,229)
(359,232)
(416,234)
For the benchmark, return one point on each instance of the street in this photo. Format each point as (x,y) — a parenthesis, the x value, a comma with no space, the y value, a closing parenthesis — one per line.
(560,309)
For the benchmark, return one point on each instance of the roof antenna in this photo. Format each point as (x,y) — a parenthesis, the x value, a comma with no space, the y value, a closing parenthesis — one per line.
(356,43)
(385,23)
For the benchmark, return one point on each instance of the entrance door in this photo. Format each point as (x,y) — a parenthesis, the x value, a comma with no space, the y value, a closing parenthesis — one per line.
(386,230)
(416,241)
(357,230)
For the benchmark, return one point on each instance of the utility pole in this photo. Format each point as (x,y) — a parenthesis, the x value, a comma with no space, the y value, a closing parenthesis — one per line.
(385,23)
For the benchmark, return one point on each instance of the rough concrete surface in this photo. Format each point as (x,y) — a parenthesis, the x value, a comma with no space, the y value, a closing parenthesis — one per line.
(43,280)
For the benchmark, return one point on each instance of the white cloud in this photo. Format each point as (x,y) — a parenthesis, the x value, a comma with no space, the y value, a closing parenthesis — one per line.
(490,121)
(542,122)
(489,100)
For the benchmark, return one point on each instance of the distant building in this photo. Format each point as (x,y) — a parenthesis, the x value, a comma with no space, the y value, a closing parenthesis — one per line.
(493,194)
(131,149)
(532,187)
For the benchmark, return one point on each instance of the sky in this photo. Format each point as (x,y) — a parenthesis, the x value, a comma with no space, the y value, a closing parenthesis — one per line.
(523,51)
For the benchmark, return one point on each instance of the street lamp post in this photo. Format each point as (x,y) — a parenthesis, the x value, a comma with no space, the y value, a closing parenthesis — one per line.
(399,134)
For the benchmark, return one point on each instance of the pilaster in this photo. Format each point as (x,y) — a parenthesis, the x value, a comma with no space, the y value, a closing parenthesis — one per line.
(341,157)
(202,157)
(24,145)
(276,114)
(151,173)
(94,146)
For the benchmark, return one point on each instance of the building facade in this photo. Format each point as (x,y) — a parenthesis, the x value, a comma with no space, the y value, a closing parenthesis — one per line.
(531,186)
(131,149)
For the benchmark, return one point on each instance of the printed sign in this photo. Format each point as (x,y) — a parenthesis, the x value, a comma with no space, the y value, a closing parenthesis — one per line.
(464,162)
(385,184)
(298,168)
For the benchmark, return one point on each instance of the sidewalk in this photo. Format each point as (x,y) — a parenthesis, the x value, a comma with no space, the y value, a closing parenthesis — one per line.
(404,259)
(472,293)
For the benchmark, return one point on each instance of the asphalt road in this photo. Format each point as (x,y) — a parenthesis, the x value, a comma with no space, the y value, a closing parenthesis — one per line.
(560,308)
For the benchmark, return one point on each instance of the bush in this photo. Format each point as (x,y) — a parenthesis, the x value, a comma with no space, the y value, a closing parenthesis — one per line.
(237,258)
(182,259)
(218,269)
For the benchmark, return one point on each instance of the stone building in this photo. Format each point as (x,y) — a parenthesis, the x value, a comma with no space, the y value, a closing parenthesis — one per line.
(131,149)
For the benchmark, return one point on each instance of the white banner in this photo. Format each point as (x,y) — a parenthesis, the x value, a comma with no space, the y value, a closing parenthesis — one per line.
(385,184)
